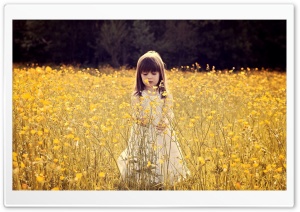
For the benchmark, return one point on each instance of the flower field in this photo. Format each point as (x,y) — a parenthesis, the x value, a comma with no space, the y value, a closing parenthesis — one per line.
(70,125)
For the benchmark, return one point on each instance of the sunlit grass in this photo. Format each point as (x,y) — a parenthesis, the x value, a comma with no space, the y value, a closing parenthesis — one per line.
(69,127)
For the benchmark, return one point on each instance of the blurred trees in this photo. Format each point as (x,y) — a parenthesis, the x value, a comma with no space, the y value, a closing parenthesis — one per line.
(142,38)
(222,43)
(179,43)
(112,38)
(52,41)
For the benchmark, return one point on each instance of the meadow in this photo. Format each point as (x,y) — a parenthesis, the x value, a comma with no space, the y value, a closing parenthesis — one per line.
(70,125)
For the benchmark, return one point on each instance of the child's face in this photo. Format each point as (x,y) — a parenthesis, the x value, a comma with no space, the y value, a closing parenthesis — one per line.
(150,79)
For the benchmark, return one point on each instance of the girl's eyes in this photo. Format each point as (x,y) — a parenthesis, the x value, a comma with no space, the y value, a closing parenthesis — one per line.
(146,73)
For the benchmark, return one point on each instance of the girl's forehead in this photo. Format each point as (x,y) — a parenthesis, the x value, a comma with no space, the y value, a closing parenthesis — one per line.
(148,70)
(149,64)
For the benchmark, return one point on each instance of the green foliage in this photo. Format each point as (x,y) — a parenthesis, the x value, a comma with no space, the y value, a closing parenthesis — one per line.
(179,42)
(113,33)
(143,38)
(220,43)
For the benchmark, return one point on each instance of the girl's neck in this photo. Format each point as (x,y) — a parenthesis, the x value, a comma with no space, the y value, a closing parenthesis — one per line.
(151,92)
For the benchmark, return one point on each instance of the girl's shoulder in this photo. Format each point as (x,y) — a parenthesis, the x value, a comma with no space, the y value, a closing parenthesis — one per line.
(168,95)
(136,94)
(169,98)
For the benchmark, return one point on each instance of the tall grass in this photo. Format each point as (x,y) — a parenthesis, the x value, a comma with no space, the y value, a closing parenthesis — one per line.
(69,127)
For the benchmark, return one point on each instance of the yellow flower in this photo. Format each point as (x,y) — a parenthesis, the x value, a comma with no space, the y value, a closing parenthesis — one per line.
(101,174)
(237,160)
(246,171)
(26,96)
(164,93)
(281,157)
(148,164)
(146,81)
(14,155)
(38,159)
(257,146)
(70,136)
(56,147)
(22,165)
(238,185)
(79,176)
(201,160)
(48,69)
(55,141)
(40,179)
(193,120)
(231,133)
(224,168)
(277,176)
(22,132)
(232,164)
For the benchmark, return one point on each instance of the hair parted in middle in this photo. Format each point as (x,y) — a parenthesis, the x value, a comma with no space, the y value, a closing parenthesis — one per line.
(150,62)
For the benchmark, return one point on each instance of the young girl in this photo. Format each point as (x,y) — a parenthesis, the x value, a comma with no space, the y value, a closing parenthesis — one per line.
(153,158)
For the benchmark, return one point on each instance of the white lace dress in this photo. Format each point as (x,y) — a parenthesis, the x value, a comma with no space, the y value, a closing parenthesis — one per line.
(152,156)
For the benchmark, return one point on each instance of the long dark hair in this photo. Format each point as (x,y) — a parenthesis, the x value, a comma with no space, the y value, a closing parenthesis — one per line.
(150,61)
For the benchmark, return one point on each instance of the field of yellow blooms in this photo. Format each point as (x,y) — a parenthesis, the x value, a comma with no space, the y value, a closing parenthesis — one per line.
(70,125)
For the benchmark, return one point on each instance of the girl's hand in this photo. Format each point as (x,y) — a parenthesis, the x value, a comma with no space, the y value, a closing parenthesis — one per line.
(144,122)
(161,126)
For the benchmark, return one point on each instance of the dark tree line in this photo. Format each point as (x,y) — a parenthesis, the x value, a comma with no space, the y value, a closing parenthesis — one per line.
(222,43)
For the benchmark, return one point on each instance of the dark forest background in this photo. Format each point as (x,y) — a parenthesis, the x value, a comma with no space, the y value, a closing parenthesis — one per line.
(92,43)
